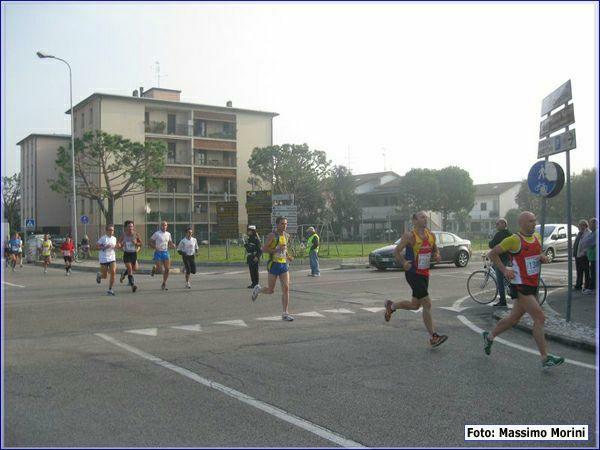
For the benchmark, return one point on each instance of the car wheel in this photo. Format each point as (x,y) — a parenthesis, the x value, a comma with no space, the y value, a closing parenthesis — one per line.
(380,268)
(550,254)
(462,259)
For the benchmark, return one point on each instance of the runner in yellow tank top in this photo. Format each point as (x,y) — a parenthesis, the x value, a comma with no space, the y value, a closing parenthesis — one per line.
(276,246)
(46,248)
(420,248)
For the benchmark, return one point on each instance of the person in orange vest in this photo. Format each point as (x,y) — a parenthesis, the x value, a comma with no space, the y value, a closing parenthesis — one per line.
(525,250)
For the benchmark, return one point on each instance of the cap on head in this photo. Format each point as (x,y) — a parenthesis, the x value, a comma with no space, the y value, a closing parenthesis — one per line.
(310,229)
(252,227)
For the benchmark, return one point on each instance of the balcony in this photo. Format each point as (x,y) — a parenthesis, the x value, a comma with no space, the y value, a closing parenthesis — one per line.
(168,216)
(180,129)
(214,163)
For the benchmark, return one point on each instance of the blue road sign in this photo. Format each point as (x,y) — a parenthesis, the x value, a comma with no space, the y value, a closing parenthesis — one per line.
(546,179)
(85,220)
(29,223)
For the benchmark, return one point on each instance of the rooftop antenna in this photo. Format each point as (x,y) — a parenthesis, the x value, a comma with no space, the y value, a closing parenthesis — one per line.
(157,72)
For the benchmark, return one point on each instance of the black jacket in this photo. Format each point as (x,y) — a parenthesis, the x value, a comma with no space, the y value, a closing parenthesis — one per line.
(499,237)
(253,246)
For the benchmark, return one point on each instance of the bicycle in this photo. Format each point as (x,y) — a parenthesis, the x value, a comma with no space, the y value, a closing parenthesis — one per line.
(482,285)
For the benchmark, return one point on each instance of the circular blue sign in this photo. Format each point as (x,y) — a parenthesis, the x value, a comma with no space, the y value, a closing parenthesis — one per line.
(85,220)
(546,179)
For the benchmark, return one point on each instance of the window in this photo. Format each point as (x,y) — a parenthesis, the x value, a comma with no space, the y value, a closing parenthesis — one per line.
(199,128)
(200,158)
(228,130)
(446,239)
(74,123)
(172,153)
(171,185)
(483,206)
(147,118)
(82,121)
(91,119)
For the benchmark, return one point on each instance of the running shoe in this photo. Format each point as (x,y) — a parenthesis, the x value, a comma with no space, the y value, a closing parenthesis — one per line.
(110,292)
(45,270)
(487,343)
(287,317)
(188,285)
(153,271)
(164,287)
(98,277)
(552,361)
(388,310)
(134,288)
(255,292)
(122,277)
(437,339)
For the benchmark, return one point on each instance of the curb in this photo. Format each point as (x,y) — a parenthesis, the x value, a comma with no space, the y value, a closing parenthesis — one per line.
(354,266)
(584,344)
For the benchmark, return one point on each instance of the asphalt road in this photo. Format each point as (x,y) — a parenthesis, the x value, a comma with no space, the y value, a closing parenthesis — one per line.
(157,368)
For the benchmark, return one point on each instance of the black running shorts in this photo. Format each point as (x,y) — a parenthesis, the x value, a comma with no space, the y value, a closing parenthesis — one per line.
(524,289)
(418,283)
(130,257)
(68,259)
(189,263)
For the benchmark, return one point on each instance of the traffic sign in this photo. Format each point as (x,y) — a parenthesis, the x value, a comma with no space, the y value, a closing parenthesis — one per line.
(557,144)
(30,223)
(227,220)
(85,220)
(558,120)
(559,97)
(546,179)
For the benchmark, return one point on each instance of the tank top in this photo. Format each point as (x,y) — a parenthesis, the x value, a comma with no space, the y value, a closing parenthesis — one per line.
(280,256)
(46,245)
(526,263)
(420,253)
(129,243)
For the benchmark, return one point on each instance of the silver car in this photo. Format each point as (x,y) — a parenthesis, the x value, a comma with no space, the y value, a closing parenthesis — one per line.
(556,240)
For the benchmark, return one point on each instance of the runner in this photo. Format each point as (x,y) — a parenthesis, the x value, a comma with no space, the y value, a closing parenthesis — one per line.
(131,244)
(276,247)
(161,241)
(14,245)
(46,250)
(20,251)
(187,248)
(107,258)
(68,250)
(420,246)
(525,249)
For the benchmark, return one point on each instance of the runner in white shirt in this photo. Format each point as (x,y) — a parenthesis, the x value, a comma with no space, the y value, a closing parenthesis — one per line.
(161,241)
(107,257)
(187,248)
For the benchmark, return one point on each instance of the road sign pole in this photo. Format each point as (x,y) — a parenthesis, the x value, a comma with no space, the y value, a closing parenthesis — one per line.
(569,237)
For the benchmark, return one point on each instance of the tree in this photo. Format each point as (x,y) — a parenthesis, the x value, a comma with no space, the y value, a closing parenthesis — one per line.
(456,192)
(109,167)
(294,169)
(11,200)
(512,216)
(418,190)
(343,202)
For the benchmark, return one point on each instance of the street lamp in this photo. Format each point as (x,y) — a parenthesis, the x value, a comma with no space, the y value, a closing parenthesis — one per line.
(74,230)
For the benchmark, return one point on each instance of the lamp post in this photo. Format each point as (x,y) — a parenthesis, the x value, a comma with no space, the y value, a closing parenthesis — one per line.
(74,200)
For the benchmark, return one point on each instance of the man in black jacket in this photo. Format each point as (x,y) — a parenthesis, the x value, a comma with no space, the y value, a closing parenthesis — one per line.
(501,233)
(253,253)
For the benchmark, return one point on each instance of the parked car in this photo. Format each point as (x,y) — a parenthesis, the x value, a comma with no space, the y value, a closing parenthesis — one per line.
(453,249)
(556,240)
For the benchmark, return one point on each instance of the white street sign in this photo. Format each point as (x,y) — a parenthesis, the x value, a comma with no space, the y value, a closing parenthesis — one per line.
(559,97)
(557,144)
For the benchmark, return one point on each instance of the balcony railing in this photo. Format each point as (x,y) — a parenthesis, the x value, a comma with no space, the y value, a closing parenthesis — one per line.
(180,129)
(214,162)
(215,135)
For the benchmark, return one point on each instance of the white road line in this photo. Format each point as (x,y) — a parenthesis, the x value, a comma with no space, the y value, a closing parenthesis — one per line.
(188,327)
(478,330)
(374,310)
(145,331)
(338,311)
(235,323)
(265,407)
(11,284)
(310,314)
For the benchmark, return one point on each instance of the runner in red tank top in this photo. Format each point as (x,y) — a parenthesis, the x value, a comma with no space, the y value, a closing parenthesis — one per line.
(524,277)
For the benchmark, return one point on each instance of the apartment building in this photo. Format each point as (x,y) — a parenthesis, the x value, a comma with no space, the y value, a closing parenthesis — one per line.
(208,150)
(38,201)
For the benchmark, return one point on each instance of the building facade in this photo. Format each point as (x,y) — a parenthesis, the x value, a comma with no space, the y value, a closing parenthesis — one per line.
(208,150)
(38,201)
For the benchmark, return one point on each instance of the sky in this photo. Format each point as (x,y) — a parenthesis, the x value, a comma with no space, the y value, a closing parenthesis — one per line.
(377,86)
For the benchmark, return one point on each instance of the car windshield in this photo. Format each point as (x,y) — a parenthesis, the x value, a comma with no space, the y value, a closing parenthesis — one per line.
(548,229)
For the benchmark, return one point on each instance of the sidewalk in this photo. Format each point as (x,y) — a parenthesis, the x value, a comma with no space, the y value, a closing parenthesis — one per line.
(579,332)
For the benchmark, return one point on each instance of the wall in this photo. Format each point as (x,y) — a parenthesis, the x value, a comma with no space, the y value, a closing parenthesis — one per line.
(508,199)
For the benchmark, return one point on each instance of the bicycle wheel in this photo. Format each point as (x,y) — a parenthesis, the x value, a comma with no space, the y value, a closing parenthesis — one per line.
(482,287)
(542,292)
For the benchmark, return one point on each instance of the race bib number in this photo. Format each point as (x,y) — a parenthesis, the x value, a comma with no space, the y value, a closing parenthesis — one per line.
(66,253)
(532,265)
(424,261)
(129,246)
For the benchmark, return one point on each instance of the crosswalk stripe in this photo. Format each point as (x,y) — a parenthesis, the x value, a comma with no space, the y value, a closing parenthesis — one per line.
(144,331)
(374,310)
(310,314)
(339,311)
(235,323)
(188,327)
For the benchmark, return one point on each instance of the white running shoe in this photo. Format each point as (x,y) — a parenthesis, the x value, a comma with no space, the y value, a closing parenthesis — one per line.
(110,292)
(188,285)
(287,317)
(255,292)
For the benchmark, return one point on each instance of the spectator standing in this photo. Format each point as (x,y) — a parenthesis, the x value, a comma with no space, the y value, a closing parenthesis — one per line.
(589,245)
(253,254)
(502,232)
(582,265)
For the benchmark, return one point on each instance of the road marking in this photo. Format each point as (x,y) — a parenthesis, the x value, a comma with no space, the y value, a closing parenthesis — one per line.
(144,331)
(188,327)
(478,330)
(11,284)
(310,314)
(235,323)
(271,318)
(265,407)
(374,310)
(339,311)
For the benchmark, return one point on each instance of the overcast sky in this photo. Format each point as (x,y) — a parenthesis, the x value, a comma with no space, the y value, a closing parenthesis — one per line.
(428,85)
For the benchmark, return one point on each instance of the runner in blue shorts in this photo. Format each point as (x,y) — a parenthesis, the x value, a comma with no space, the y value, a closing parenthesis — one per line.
(276,247)
(161,241)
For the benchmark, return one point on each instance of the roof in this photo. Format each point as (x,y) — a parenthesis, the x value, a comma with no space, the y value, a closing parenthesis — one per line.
(366,177)
(47,135)
(153,101)
(494,188)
